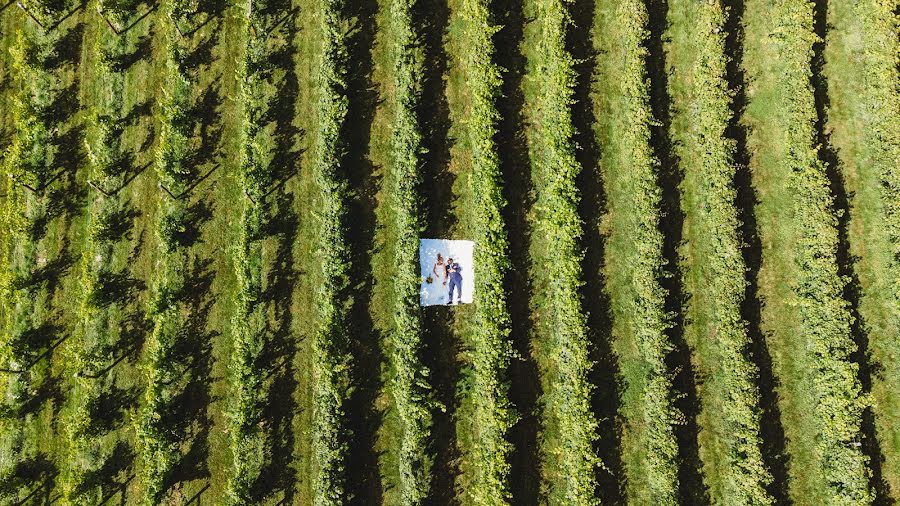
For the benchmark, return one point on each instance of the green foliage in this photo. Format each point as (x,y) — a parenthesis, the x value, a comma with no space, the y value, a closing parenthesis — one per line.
(32,246)
(568,463)
(28,158)
(714,280)
(634,261)
(17,257)
(485,415)
(804,314)
(16,166)
(25,166)
(158,444)
(47,12)
(249,328)
(171,226)
(90,349)
(408,383)
(11,226)
(862,64)
(102,136)
(171,111)
(99,147)
(119,11)
(62,244)
(331,358)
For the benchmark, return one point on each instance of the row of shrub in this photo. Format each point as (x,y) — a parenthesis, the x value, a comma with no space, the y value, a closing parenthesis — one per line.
(634,262)
(91,349)
(102,138)
(861,65)
(157,440)
(89,352)
(804,313)
(27,158)
(331,356)
(569,465)
(24,161)
(249,328)
(408,379)
(485,415)
(24,165)
(713,268)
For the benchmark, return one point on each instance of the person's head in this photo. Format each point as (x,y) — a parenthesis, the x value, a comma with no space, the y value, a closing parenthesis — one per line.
(440,258)
(450,260)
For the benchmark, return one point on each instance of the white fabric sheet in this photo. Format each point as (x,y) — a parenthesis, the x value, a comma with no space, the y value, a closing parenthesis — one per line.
(436,292)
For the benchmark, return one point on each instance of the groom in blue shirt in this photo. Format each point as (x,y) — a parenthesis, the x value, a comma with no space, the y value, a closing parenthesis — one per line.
(455,278)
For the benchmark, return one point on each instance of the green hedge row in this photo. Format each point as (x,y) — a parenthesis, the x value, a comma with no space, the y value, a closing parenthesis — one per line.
(569,464)
(485,415)
(634,262)
(806,319)
(24,161)
(91,348)
(861,63)
(331,356)
(102,138)
(158,445)
(27,159)
(408,383)
(713,268)
(246,430)
(88,352)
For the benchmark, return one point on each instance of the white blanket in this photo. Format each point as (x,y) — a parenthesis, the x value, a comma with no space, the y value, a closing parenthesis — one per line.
(436,292)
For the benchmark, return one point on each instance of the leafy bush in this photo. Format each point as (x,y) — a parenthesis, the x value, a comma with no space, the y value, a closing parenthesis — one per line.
(568,463)
(861,59)
(485,415)
(713,272)
(804,314)
(634,262)
(407,383)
